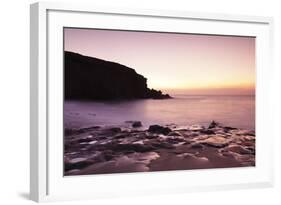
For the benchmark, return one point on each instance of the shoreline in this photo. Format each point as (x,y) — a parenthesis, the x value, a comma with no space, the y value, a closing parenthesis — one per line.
(104,150)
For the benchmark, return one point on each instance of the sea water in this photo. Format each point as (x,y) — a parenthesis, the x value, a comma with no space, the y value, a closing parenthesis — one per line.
(182,110)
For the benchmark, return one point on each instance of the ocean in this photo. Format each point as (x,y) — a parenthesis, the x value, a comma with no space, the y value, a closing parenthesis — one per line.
(183,110)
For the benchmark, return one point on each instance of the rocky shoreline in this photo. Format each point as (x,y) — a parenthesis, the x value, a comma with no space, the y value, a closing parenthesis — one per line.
(104,150)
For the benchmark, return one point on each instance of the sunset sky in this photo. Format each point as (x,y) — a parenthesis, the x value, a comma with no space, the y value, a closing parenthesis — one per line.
(195,64)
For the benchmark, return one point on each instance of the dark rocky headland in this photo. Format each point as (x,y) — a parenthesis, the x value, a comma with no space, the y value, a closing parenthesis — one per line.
(102,150)
(95,79)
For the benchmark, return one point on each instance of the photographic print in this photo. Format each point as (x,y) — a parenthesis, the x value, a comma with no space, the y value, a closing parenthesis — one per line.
(138,101)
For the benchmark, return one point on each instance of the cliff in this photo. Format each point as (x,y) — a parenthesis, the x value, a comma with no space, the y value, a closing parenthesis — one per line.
(95,79)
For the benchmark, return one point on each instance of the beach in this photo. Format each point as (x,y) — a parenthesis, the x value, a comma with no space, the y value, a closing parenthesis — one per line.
(182,133)
(111,149)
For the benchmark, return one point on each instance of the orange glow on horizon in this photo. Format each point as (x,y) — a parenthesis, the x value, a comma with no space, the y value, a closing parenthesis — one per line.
(210,86)
(206,85)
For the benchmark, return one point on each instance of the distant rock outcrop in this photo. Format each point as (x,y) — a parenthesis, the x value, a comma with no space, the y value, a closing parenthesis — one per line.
(96,79)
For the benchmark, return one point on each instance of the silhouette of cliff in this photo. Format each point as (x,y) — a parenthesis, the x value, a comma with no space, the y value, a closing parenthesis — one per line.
(95,79)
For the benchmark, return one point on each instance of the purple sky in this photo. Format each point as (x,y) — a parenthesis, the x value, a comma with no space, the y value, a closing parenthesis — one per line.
(198,64)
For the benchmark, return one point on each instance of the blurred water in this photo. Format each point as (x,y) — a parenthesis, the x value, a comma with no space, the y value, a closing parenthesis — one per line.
(235,111)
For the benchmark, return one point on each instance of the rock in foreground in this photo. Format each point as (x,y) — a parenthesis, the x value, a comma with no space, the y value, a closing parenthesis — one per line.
(101,150)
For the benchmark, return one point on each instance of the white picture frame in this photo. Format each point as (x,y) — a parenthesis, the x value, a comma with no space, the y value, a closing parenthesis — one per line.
(47,182)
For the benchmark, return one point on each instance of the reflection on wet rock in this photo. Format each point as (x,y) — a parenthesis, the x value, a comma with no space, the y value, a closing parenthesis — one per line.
(101,150)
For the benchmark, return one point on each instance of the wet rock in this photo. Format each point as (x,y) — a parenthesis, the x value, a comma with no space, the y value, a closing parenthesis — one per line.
(174,133)
(245,133)
(192,135)
(250,138)
(159,129)
(139,142)
(162,145)
(247,143)
(252,150)
(207,132)
(129,147)
(77,164)
(224,146)
(115,129)
(174,140)
(120,136)
(188,141)
(196,128)
(151,136)
(251,133)
(238,149)
(99,157)
(136,124)
(80,131)
(93,142)
(70,145)
(101,137)
(185,155)
(215,141)
(201,137)
(227,129)
(213,124)
(84,140)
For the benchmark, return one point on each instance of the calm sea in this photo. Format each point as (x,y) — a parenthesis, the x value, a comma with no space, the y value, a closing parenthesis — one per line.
(183,110)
